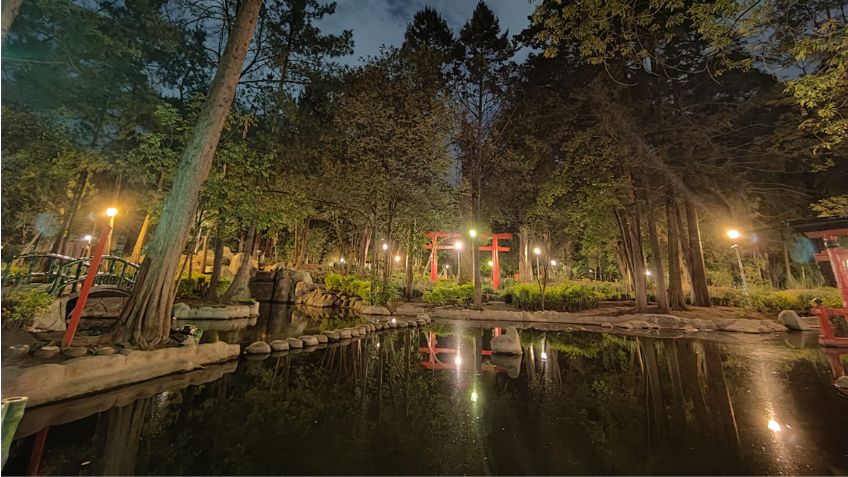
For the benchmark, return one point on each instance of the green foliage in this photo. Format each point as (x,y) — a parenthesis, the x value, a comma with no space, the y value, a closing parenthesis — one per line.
(21,307)
(558,297)
(775,301)
(352,285)
(446,292)
(196,287)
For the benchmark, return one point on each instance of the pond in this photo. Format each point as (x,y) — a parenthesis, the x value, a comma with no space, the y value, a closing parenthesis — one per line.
(435,401)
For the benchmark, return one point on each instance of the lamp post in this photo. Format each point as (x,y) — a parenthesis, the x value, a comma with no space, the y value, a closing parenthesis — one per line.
(111,212)
(458,247)
(734,235)
(537,251)
(87,251)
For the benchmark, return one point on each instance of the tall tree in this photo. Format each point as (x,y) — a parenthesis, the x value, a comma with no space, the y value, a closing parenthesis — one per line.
(146,318)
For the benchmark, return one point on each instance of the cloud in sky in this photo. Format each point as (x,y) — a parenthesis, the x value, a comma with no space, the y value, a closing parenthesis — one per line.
(383,22)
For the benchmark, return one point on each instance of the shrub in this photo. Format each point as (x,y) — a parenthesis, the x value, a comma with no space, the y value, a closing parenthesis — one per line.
(775,301)
(446,292)
(558,296)
(352,285)
(196,287)
(21,307)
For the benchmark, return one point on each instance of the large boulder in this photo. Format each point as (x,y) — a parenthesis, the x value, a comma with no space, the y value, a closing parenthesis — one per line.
(792,321)
(375,310)
(507,343)
(258,347)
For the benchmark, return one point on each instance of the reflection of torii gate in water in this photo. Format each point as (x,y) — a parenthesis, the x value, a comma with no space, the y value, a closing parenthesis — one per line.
(434,248)
(432,350)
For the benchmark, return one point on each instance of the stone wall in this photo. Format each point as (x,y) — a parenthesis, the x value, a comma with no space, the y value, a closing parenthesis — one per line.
(282,285)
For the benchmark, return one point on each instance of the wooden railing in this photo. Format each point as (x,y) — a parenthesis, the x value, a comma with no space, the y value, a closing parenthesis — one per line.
(65,274)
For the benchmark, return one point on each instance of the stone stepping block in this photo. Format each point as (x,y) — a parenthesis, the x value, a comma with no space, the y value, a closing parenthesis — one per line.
(363,330)
(354,332)
(378,326)
(280,345)
(295,343)
(258,347)
(420,321)
(46,352)
(344,334)
(332,335)
(15,351)
(105,351)
(392,324)
(309,340)
(75,352)
(322,339)
(402,324)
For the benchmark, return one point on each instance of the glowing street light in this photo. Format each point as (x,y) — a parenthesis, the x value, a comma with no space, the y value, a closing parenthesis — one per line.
(342,260)
(648,273)
(87,238)
(474,396)
(491,263)
(111,212)
(397,258)
(472,233)
(457,361)
(544,356)
(733,235)
(87,250)
(537,251)
(385,246)
(553,263)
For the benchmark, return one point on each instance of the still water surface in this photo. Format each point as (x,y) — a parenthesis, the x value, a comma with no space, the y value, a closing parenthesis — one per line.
(434,401)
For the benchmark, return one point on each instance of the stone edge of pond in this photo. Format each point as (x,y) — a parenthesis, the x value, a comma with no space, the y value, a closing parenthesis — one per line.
(52,382)
(182,311)
(648,321)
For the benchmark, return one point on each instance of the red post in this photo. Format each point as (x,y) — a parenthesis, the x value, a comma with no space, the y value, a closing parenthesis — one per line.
(86,287)
(496,269)
(839,263)
(434,266)
(37,452)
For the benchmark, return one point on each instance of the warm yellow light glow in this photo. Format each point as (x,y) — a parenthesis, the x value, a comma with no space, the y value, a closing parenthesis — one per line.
(544,355)
(553,263)
(397,258)
(473,396)
(342,260)
(733,234)
(537,251)
(394,320)
(774,426)
(648,273)
(447,266)
(491,263)
(87,238)
(385,246)
(472,233)
(111,212)
(457,360)
(458,245)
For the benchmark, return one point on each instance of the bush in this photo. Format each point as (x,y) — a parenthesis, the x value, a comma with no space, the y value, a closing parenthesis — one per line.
(21,307)
(446,292)
(196,287)
(352,285)
(775,301)
(558,297)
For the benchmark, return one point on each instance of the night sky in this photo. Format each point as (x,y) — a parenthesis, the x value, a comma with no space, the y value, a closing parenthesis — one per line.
(378,22)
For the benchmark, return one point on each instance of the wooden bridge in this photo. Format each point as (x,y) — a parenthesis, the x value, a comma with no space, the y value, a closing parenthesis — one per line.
(61,275)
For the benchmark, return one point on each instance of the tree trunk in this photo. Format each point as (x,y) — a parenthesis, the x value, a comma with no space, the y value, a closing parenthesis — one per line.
(146,318)
(240,288)
(139,241)
(217,265)
(676,299)
(656,260)
(409,245)
(525,270)
(10,12)
(699,277)
(789,282)
(204,260)
(68,220)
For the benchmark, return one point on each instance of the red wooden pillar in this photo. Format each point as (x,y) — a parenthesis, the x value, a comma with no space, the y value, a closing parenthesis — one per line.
(93,267)
(434,266)
(496,268)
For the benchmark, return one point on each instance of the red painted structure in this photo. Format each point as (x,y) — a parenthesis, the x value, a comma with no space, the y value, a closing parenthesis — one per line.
(829,230)
(93,267)
(495,248)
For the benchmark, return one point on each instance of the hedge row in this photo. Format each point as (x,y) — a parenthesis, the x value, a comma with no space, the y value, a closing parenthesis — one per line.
(775,301)
(558,297)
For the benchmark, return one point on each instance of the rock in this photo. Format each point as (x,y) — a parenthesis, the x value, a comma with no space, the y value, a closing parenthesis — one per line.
(363,330)
(280,345)
(345,303)
(15,351)
(180,310)
(75,352)
(402,324)
(507,343)
(378,326)
(749,326)
(375,310)
(295,343)
(261,290)
(423,315)
(332,335)
(108,350)
(391,323)
(344,334)
(258,347)
(371,328)
(420,321)
(324,300)
(322,339)
(46,352)
(510,363)
(354,332)
(637,324)
(190,341)
(792,321)
(841,382)
(309,340)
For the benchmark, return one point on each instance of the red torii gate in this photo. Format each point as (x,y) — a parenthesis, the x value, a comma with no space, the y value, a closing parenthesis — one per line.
(434,248)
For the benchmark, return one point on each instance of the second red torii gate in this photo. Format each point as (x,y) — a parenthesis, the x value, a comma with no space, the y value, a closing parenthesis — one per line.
(434,248)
